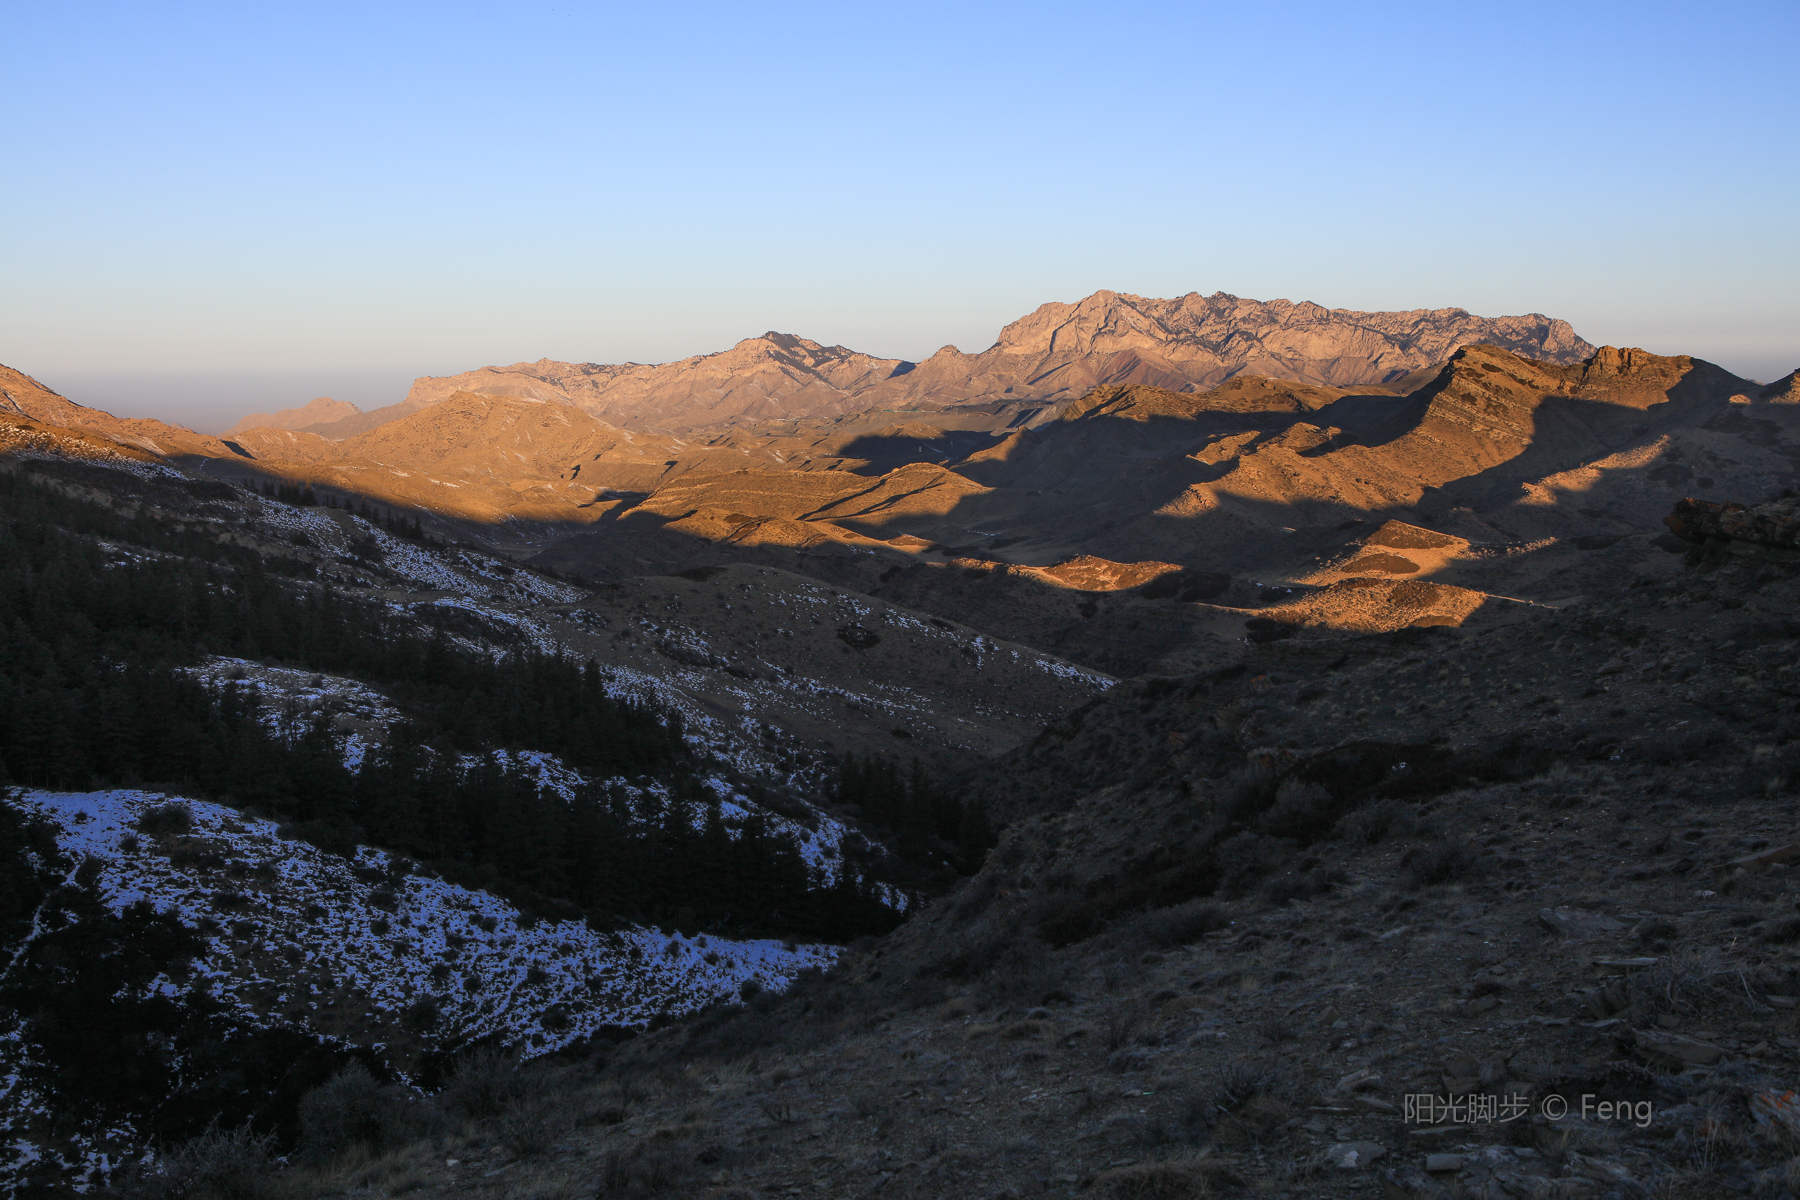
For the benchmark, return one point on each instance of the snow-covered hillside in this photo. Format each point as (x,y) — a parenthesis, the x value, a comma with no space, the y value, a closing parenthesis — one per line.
(360,716)
(366,951)
(374,935)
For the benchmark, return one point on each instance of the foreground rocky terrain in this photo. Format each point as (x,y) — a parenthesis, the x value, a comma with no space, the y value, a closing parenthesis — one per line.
(1350,919)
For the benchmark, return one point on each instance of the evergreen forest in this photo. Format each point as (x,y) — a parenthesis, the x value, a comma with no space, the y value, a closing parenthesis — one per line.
(103,612)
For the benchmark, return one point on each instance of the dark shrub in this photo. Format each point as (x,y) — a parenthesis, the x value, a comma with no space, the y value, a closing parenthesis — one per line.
(1236,1082)
(1176,926)
(333,839)
(1297,885)
(1020,974)
(857,636)
(1301,810)
(218,1165)
(485,1083)
(1245,859)
(1064,918)
(530,1128)
(1123,1023)
(167,820)
(422,1015)
(1783,933)
(353,1109)
(1443,861)
(1688,747)
(1384,819)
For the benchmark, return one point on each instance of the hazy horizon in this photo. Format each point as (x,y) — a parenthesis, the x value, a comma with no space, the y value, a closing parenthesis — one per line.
(224,210)
(213,402)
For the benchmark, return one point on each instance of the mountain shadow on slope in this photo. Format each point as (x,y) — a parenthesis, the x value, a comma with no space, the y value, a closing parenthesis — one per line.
(93,692)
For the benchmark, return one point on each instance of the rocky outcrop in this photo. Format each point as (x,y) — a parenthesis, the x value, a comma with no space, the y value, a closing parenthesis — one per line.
(1496,412)
(1785,390)
(1769,530)
(1194,342)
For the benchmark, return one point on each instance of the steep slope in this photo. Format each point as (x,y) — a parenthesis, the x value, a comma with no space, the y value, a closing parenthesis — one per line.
(274,444)
(319,958)
(23,396)
(1785,390)
(1490,437)
(502,439)
(1247,476)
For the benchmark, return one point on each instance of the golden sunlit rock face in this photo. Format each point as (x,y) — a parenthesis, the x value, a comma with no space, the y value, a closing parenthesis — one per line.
(1448,495)
(1056,353)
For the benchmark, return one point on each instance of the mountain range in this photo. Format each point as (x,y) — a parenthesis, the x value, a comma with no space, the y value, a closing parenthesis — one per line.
(1024,486)
(1055,353)
(1125,762)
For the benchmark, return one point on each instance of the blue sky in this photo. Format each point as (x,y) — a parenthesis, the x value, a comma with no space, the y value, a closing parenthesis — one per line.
(217,208)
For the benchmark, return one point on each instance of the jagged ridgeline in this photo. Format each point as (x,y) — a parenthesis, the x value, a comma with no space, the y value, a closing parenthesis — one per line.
(103,613)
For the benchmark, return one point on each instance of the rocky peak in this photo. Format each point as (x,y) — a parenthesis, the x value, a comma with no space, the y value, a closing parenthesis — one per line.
(1055,353)
(1785,390)
(1211,338)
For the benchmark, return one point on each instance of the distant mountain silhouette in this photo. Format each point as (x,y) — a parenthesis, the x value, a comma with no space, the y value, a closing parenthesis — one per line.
(1054,354)
(322,411)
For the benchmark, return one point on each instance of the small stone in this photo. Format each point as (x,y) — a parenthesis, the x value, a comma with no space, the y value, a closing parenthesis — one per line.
(1578,922)
(1780,1109)
(1624,966)
(1352,1155)
(1461,1065)
(1675,1049)
(1763,858)
(1443,1162)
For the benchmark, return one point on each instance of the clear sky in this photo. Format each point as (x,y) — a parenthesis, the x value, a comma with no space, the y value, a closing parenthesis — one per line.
(216,208)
